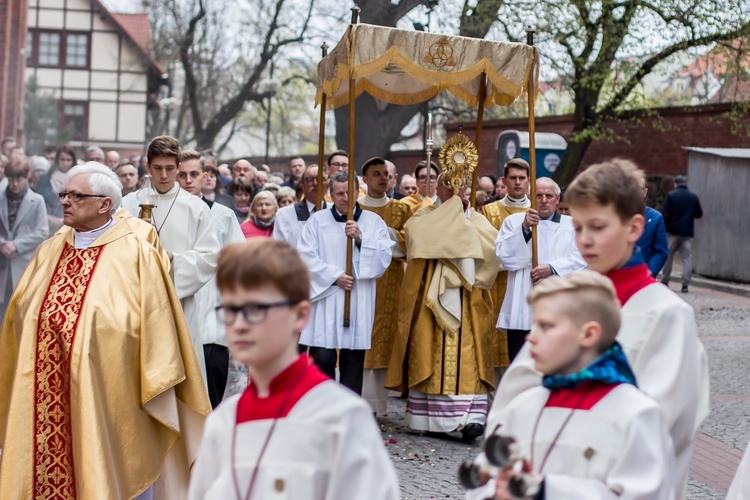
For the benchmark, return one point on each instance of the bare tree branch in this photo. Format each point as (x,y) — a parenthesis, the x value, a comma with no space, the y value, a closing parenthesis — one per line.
(651,63)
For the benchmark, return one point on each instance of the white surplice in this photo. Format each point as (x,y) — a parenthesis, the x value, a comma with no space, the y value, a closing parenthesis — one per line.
(327,448)
(556,246)
(617,449)
(227,230)
(288,225)
(660,339)
(322,245)
(185,228)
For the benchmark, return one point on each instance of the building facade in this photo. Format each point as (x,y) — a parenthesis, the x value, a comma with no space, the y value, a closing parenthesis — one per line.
(98,67)
(12,42)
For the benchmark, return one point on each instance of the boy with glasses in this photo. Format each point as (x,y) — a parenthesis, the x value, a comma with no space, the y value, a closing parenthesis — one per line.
(293,431)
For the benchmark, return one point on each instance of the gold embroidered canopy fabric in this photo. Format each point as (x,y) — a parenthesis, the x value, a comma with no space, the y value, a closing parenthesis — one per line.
(408,67)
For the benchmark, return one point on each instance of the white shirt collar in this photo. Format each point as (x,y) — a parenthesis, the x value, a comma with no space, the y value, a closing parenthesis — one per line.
(84,239)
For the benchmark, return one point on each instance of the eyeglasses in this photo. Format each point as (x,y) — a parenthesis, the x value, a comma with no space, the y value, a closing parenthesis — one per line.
(253,314)
(423,178)
(77,196)
(309,180)
(340,166)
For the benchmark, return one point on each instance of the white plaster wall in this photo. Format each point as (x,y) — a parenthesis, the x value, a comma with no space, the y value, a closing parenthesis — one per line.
(102,121)
(132,122)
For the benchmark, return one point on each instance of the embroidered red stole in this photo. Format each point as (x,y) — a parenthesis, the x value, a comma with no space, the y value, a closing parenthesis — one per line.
(54,476)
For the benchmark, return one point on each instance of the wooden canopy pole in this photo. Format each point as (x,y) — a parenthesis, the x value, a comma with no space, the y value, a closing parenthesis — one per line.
(321,141)
(478,137)
(531,92)
(352,173)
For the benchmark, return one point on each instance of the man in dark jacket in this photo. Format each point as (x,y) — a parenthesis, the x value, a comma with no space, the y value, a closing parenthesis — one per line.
(681,208)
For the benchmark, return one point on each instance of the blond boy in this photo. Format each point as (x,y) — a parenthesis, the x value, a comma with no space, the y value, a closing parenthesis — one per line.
(587,432)
(658,333)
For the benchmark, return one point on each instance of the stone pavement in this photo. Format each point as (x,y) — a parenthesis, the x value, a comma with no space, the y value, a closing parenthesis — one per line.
(427,464)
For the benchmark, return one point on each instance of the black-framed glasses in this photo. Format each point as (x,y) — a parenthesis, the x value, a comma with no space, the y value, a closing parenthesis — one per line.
(309,180)
(77,196)
(252,313)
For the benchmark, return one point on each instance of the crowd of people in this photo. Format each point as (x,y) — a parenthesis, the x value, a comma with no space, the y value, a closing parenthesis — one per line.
(148,296)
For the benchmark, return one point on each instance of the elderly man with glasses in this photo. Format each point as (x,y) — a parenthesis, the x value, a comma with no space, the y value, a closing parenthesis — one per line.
(98,369)
(291,219)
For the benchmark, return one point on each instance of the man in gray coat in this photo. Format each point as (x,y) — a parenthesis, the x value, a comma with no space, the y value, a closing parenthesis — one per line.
(23,226)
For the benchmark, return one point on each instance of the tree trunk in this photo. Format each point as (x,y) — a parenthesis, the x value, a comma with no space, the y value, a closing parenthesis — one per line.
(378,126)
(571,160)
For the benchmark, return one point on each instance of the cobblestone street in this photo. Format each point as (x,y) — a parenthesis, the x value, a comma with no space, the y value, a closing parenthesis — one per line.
(427,464)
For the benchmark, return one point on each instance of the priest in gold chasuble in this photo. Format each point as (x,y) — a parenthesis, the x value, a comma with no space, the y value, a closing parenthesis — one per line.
(516,180)
(442,353)
(100,391)
(388,287)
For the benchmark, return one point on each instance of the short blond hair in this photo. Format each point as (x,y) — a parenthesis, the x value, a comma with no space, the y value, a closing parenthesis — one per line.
(593,297)
(264,195)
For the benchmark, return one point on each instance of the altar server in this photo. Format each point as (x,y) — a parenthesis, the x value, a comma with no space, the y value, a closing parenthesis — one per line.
(658,333)
(322,246)
(184,225)
(293,433)
(586,432)
(558,255)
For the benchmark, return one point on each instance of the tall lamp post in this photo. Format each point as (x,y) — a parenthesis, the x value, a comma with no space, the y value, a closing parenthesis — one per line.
(269,86)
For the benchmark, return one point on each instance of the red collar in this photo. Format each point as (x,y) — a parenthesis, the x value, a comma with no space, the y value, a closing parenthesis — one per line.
(287,388)
(582,397)
(630,280)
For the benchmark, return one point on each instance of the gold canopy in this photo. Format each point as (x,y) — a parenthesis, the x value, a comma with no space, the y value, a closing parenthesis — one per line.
(408,67)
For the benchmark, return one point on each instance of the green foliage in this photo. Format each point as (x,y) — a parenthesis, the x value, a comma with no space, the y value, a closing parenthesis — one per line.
(41,118)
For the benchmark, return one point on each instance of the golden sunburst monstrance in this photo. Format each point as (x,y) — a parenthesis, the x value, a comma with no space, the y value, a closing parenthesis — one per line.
(459,158)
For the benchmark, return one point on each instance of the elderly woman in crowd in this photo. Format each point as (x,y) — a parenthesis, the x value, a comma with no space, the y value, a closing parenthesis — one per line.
(54,181)
(286,196)
(263,215)
(241,190)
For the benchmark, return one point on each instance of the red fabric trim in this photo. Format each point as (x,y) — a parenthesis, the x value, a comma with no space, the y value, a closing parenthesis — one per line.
(630,280)
(299,378)
(57,325)
(583,397)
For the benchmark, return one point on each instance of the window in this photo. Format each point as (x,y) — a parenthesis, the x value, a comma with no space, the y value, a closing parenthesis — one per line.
(49,49)
(58,49)
(76,50)
(75,116)
(29,47)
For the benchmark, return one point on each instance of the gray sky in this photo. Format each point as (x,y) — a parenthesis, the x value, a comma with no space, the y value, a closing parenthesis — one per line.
(123,5)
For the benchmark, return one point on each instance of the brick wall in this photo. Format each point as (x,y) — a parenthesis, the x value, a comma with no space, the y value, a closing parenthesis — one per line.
(654,140)
(12,66)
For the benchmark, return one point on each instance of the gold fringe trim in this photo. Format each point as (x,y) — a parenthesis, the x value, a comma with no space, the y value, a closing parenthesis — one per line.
(504,91)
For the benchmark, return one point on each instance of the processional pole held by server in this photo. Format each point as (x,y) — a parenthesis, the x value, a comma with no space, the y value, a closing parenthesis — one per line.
(531,92)
(352,172)
(321,141)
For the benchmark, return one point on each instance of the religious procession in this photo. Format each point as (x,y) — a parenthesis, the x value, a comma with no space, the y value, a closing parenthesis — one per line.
(176,327)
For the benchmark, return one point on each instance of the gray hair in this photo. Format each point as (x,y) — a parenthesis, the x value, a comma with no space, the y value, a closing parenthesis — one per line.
(549,181)
(95,149)
(285,191)
(342,177)
(102,181)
